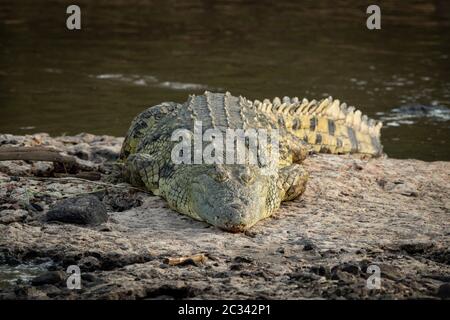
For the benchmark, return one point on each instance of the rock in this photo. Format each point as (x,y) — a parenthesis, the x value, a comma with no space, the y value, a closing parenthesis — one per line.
(50,290)
(416,247)
(343,207)
(304,276)
(243,259)
(444,291)
(121,201)
(10,216)
(408,190)
(321,271)
(89,263)
(236,267)
(89,277)
(390,272)
(350,268)
(110,153)
(42,168)
(86,210)
(309,246)
(339,274)
(51,277)
(30,293)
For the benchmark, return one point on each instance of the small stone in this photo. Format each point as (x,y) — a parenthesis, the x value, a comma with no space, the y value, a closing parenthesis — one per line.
(309,247)
(51,277)
(50,290)
(350,268)
(242,259)
(304,276)
(89,263)
(343,276)
(444,291)
(89,277)
(86,210)
(235,267)
(320,270)
(416,247)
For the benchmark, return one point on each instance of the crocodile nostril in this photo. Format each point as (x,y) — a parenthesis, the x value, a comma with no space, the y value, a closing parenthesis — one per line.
(246,177)
(236,206)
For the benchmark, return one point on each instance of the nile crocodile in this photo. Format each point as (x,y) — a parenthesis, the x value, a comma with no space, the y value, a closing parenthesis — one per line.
(234,196)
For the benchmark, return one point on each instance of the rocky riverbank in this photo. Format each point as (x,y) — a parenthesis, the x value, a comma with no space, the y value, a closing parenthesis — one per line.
(355,213)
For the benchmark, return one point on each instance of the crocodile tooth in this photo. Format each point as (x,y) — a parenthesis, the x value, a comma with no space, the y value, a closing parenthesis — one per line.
(276,101)
(357,120)
(257,104)
(286,99)
(294,100)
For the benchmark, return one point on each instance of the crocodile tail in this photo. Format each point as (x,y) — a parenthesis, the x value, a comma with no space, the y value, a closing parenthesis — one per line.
(328,125)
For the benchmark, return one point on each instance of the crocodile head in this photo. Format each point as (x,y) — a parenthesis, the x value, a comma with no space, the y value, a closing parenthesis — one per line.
(231,197)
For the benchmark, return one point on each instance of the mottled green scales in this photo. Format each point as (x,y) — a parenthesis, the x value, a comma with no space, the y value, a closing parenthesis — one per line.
(236,196)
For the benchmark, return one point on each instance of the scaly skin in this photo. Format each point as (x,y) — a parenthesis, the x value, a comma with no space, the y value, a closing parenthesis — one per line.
(234,197)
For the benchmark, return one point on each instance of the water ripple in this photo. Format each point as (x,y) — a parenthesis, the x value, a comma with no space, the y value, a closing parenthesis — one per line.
(409,114)
(148,80)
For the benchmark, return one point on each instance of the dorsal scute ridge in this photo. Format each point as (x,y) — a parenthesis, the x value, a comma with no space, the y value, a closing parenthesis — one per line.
(331,108)
(276,101)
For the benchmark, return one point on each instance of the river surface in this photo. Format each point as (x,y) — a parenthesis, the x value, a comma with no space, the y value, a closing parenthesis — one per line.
(129,55)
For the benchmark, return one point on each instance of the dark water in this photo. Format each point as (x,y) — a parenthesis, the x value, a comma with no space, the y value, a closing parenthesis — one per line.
(133,54)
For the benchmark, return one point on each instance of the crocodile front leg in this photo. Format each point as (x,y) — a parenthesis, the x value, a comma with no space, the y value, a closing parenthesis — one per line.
(143,170)
(292,181)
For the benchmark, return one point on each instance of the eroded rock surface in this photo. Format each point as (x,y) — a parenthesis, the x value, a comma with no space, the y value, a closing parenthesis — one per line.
(355,213)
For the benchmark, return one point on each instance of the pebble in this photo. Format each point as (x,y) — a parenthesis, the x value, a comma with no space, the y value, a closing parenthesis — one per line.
(50,277)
